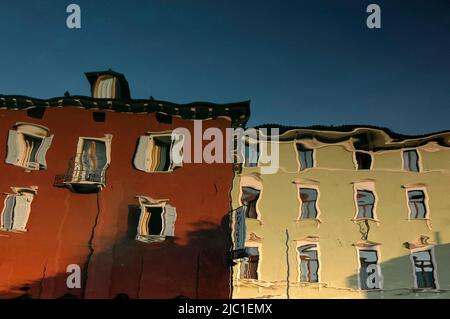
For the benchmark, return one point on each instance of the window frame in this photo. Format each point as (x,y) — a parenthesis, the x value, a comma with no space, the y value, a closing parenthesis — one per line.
(251,244)
(36,131)
(426,202)
(365,186)
(146,202)
(302,243)
(430,248)
(254,182)
(375,248)
(355,160)
(299,162)
(114,86)
(77,159)
(151,136)
(419,160)
(299,186)
(30,193)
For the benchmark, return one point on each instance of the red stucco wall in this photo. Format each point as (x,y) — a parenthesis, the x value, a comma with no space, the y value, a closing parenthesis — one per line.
(193,264)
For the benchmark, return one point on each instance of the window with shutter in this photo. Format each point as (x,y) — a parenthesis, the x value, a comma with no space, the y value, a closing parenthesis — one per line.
(91,161)
(157,220)
(159,153)
(28,146)
(17,209)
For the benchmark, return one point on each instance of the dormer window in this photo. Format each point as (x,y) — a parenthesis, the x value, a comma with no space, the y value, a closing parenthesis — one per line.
(28,145)
(108,85)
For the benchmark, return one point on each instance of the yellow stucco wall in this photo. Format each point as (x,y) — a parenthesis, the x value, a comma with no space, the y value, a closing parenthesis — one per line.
(334,173)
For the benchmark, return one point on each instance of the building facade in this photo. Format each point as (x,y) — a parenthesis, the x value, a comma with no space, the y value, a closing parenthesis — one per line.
(355,212)
(91,184)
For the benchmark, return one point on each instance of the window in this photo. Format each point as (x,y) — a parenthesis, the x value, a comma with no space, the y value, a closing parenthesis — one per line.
(308,197)
(91,161)
(28,145)
(157,220)
(163,118)
(106,87)
(369,270)
(252,154)
(411,161)
(363,160)
(249,264)
(159,153)
(16,210)
(309,263)
(305,156)
(424,270)
(417,204)
(99,116)
(366,202)
(249,199)
(36,112)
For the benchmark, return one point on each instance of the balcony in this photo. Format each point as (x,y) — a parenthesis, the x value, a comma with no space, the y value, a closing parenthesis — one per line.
(83,178)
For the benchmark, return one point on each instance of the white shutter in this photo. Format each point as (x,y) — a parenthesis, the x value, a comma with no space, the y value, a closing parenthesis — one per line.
(141,228)
(142,157)
(13,148)
(176,150)
(22,212)
(239,228)
(7,213)
(42,151)
(170,217)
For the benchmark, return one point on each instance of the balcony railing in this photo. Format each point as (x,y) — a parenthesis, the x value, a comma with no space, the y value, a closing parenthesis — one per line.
(82,178)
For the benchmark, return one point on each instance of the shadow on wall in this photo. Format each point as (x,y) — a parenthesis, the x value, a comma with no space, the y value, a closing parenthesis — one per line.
(197,269)
(399,281)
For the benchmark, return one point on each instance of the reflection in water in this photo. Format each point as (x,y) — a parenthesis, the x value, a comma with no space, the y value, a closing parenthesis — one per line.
(375,190)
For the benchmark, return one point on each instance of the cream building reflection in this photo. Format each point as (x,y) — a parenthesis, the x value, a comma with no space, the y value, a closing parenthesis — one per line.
(353,212)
